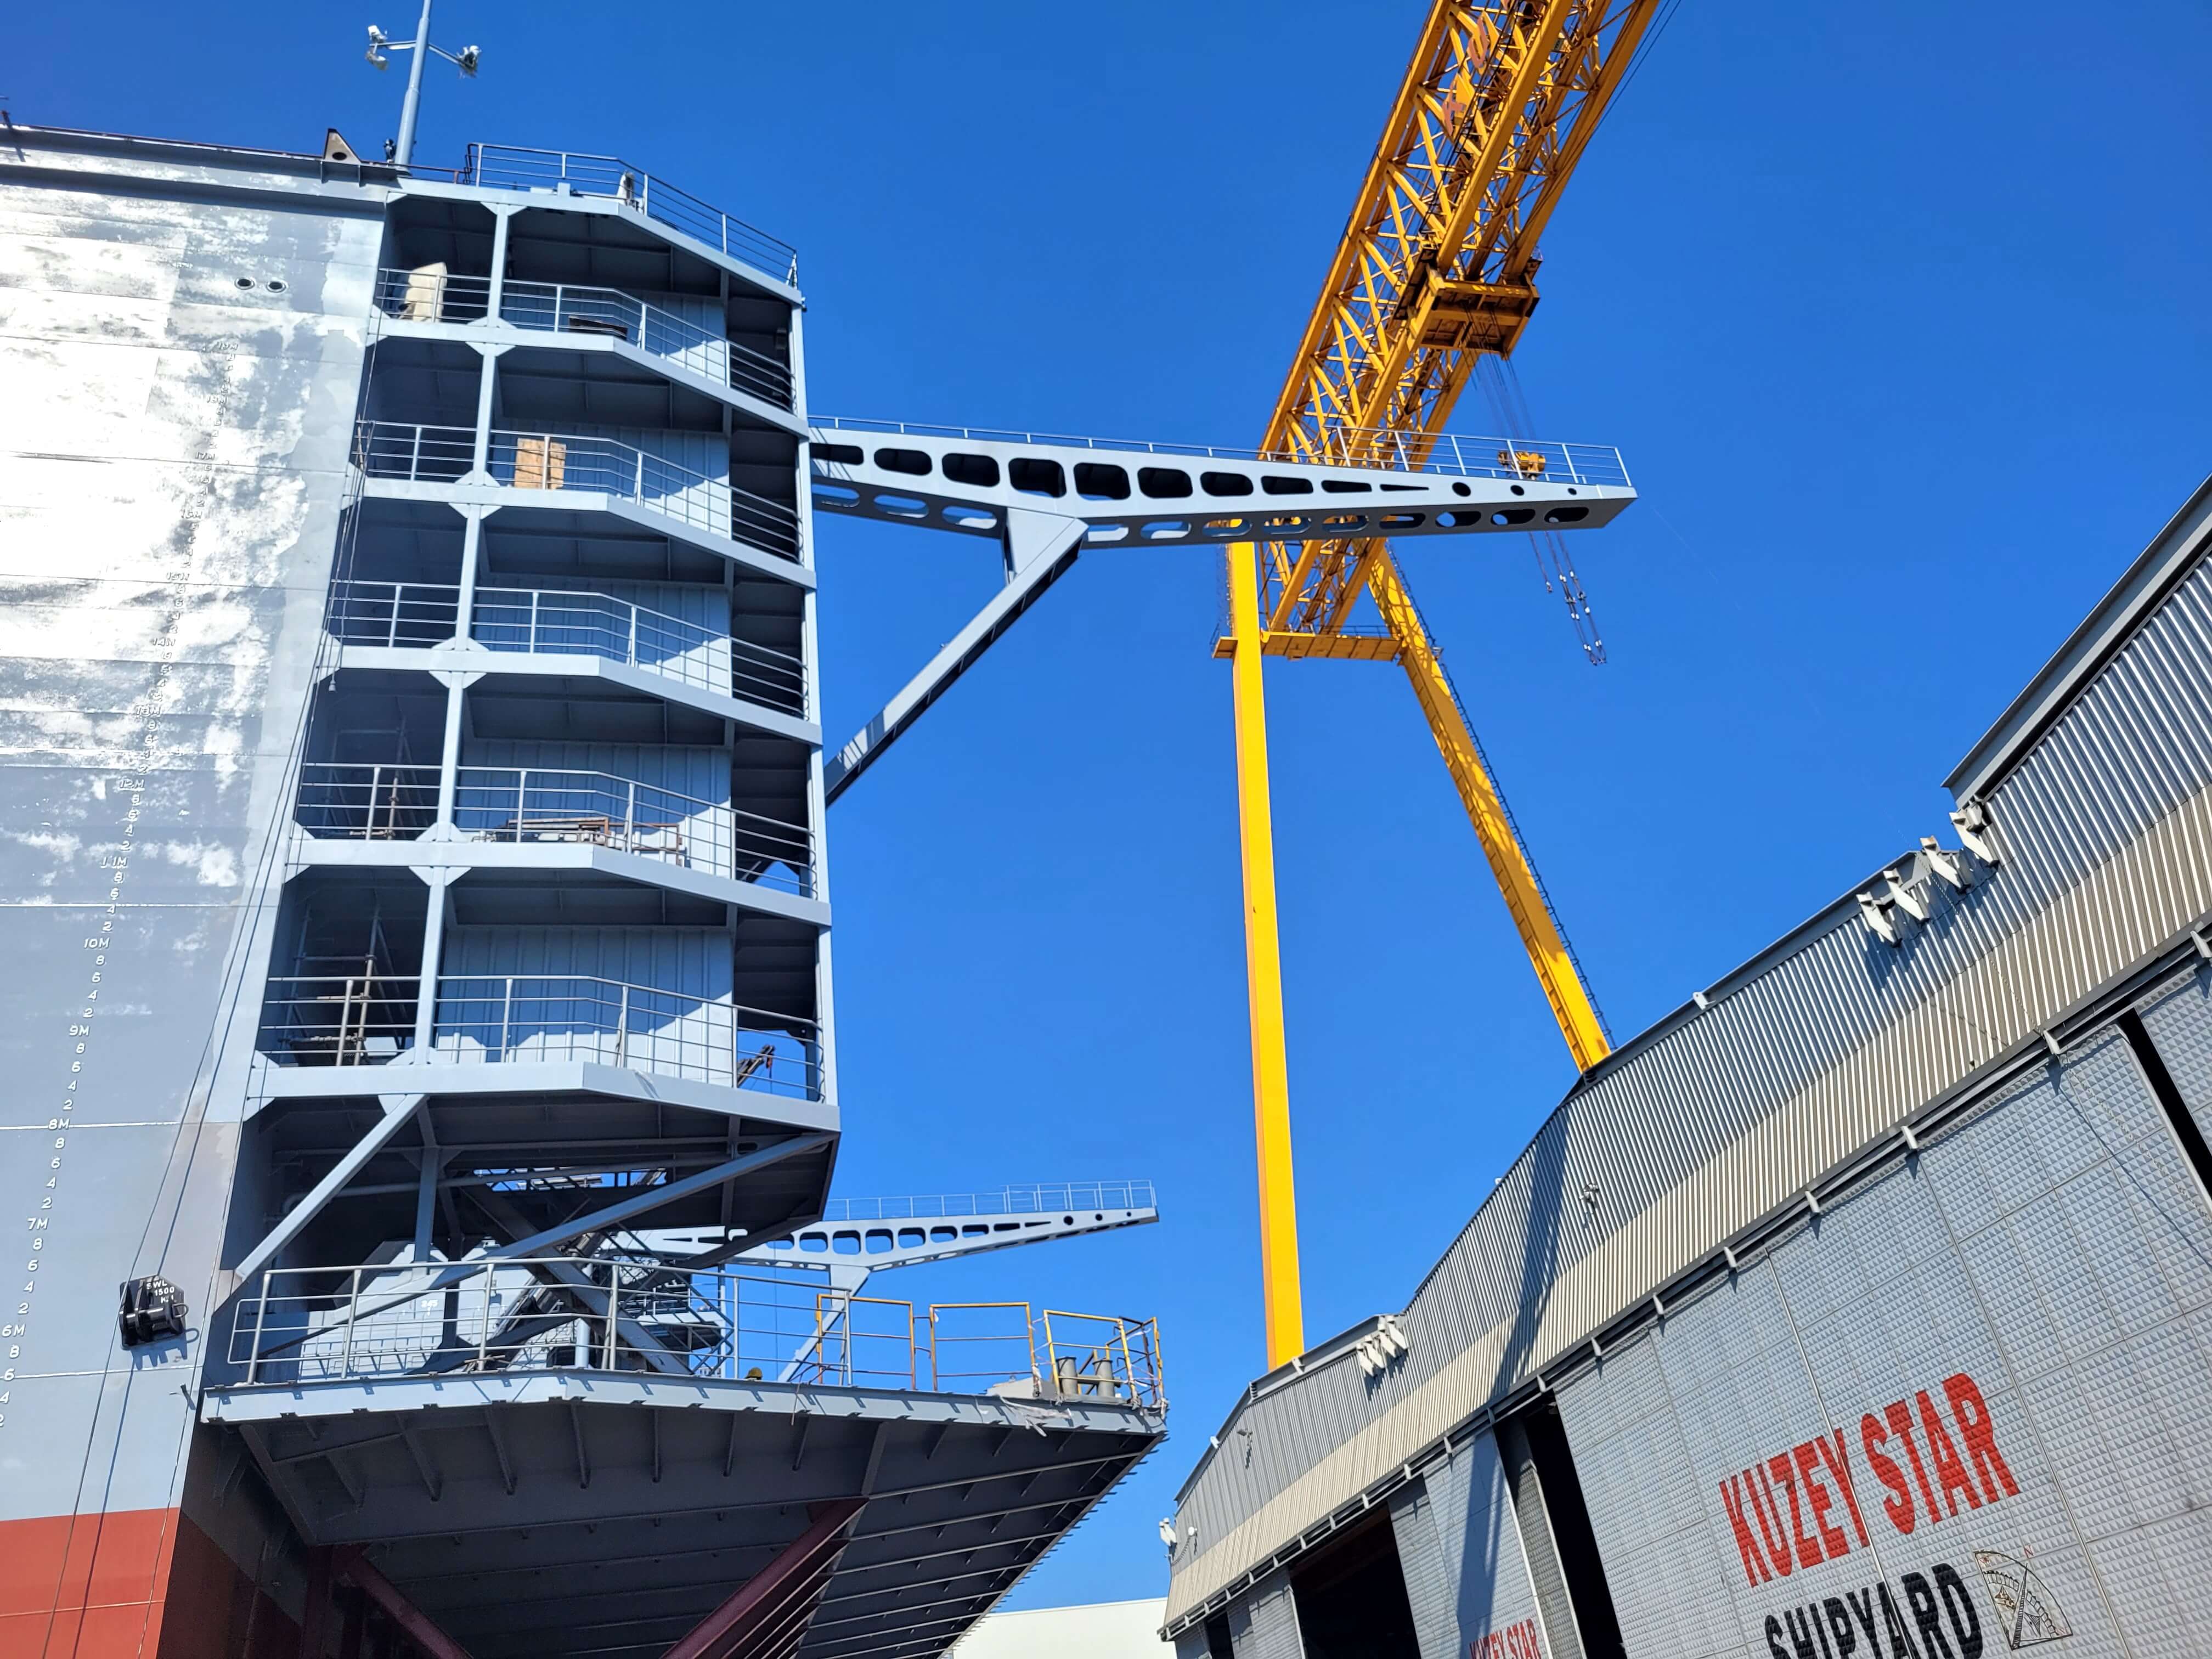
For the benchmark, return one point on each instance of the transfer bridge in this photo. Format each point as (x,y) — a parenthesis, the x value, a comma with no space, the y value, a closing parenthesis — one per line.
(1046,498)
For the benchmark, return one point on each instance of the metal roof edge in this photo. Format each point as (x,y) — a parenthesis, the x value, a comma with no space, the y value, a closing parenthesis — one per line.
(1836,912)
(175,149)
(65,159)
(1322,1353)
(2172,553)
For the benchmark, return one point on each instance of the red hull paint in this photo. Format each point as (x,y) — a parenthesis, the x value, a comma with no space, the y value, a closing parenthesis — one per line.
(131,1584)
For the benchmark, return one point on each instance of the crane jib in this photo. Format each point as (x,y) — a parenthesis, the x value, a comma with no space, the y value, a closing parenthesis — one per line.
(1436,272)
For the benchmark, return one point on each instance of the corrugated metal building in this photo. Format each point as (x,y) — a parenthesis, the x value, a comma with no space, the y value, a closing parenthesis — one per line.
(1862,1306)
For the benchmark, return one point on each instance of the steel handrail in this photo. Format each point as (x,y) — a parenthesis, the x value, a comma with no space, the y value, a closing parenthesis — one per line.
(756,672)
(1451,454)
(572,461)
(366,800)
(366,612)
(514,166)
(363,1018)
(425,295)
(489,1019)
(392,613)
(387,1320)
(528,804)
(1018,1199)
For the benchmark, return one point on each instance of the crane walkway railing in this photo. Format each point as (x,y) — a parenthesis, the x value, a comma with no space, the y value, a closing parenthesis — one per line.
(1444,452)
(570,461)
(573,622)
(430,294)
(385,1321)
(1040,1199)
(561,171)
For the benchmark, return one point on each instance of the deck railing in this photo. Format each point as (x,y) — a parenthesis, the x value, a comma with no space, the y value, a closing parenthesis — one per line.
(343,802)
(511,167)
(541,806)
(382,1321)
(367,1019)
(573,622)
(567,461)
(429,295)
(511,1019)
(553,620)
(364,1019)
(393,613)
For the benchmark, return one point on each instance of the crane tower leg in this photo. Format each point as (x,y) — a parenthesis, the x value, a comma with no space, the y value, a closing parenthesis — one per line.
(1263,969)
(1485,808)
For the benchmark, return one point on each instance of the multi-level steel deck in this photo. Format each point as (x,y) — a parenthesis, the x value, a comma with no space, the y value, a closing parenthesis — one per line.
(544,1055)
(430,739)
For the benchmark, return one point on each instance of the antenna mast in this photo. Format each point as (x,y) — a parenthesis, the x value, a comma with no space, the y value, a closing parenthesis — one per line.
(381,44)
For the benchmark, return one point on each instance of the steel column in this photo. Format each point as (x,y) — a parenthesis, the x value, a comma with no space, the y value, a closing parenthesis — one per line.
(471,560)
(722,1633)
(315,1610)
(495,301)
(440,881)
(403,148)
(1263,971)
(352,1564)
(1040,548)
(487,388)
(398,1109)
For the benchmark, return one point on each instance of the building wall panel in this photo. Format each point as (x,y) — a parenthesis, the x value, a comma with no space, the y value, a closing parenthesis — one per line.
(1430,1583)
(2177,1020)
(2055,1249)
(1485,1567)
(693,961)
(1265,1624)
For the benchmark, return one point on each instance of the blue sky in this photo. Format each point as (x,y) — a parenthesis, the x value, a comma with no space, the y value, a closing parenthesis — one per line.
(1897,313)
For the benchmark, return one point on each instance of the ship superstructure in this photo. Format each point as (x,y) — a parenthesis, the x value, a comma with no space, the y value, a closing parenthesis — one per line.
(415,867)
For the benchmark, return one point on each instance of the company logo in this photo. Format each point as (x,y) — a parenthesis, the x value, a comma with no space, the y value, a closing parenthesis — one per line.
(1517,1641)
(1789,1510)
(1915,1465)
(2027,1611)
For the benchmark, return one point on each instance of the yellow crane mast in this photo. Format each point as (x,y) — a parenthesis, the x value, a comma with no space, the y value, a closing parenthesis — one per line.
(1436,268)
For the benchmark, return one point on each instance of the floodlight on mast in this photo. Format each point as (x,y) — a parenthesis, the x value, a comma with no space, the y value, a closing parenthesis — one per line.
(381,46)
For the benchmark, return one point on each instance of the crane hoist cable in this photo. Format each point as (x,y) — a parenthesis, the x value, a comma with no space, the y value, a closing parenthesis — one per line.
(1509,410)
(1436,270)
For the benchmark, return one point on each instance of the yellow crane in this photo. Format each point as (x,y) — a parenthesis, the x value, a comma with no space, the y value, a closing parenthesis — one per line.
(1437,270)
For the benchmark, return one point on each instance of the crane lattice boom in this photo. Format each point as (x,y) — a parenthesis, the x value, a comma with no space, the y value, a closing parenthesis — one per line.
(1436,269)
(1438,260)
